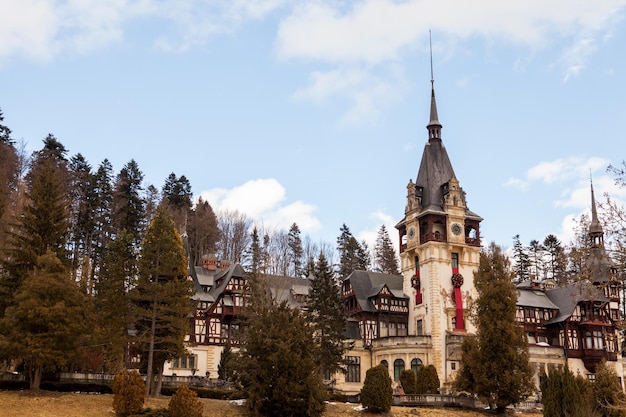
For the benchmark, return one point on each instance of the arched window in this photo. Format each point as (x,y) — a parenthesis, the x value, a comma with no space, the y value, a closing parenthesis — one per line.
(416,364)
(398,367)
(384,363)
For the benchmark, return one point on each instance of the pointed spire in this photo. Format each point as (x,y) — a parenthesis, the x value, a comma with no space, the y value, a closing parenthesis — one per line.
(434,127)
(595,228)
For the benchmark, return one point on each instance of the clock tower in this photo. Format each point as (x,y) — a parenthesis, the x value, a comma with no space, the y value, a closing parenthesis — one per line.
(439,252)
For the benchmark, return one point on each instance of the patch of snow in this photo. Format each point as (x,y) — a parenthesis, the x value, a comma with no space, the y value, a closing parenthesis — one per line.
(238,402)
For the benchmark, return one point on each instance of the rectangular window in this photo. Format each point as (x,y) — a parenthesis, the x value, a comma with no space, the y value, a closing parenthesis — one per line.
(354,369)
(420,328)
(453,366)
(455,263)
(184,362)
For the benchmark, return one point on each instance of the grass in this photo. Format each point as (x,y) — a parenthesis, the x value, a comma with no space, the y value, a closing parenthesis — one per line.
(55,404)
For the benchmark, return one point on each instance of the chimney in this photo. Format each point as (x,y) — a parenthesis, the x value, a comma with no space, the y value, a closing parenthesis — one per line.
(209,263)
(224,265)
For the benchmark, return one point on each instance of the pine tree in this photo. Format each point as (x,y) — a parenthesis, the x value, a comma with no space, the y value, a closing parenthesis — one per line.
(556,261)
(47,320)
(522,260)
(353,255)
(254,254)
(275,368)
(498,366)
(112,298)
(384,253)
(608,397)
(326,313)
(296,252)
(177,196)
(129,211)
(162,295)
(43,224)
(562,395)
(9,175)
(224,368)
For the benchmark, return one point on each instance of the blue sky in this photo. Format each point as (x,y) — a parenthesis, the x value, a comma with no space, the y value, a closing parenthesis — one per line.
(315,111)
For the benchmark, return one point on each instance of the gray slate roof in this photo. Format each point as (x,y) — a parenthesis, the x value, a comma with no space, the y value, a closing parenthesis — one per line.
(566,298)
(366,284)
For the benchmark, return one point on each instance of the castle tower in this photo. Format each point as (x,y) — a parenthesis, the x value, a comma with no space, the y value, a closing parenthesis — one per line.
(439,252)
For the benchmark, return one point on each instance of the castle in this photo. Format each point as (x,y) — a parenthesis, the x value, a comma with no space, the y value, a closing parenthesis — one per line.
(421,316)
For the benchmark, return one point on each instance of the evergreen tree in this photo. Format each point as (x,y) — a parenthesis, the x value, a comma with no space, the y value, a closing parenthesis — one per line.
(427,380)
(326,313)
(408,379)
(129,210)
(102,214)
(275,365)
(82,224)
(353,255)
(47,320)
(522,260)
(498,366)
(43,224)
(296,252)
(536,258)
(224,368)
(5,132)
(116,312)
(384,253)
(561,394)
(556,258)
(177,196)
(377,393)
(254,254)
(608,397)
(162,295)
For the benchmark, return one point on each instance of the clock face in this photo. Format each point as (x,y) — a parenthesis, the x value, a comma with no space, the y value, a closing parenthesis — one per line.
(456,229)
(411,232)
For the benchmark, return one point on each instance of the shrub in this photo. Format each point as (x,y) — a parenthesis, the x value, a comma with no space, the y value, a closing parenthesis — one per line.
(185,403)
(128,393)
(377,394)
(408,381)
(427,380)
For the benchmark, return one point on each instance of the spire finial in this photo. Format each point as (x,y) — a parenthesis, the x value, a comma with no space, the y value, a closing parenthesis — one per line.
(434,127)
(430,43)
(595,228)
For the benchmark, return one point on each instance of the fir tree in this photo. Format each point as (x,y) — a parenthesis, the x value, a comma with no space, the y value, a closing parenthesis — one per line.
(353,255)
(556,258)
(384,253)
(326,313)
(162,295)
(608,397)
(561,394)
(224,368)
(408,379)
(44,223)
(47,320)
(129,210)
(522,260)
(275,366)
(498,368)
(295,251)
(112,299)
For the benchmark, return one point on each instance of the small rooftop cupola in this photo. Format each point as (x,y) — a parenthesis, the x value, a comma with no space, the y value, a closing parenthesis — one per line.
(595,229)
(434,127)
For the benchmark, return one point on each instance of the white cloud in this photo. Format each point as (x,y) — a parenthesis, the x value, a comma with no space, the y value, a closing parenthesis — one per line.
(366,90)
(559,170)
(516,183)
(263,200)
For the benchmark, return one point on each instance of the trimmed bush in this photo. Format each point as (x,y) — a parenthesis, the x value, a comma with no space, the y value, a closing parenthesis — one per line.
(377,394)
(128,393)
(185,403)
(427,380)
(408,381)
